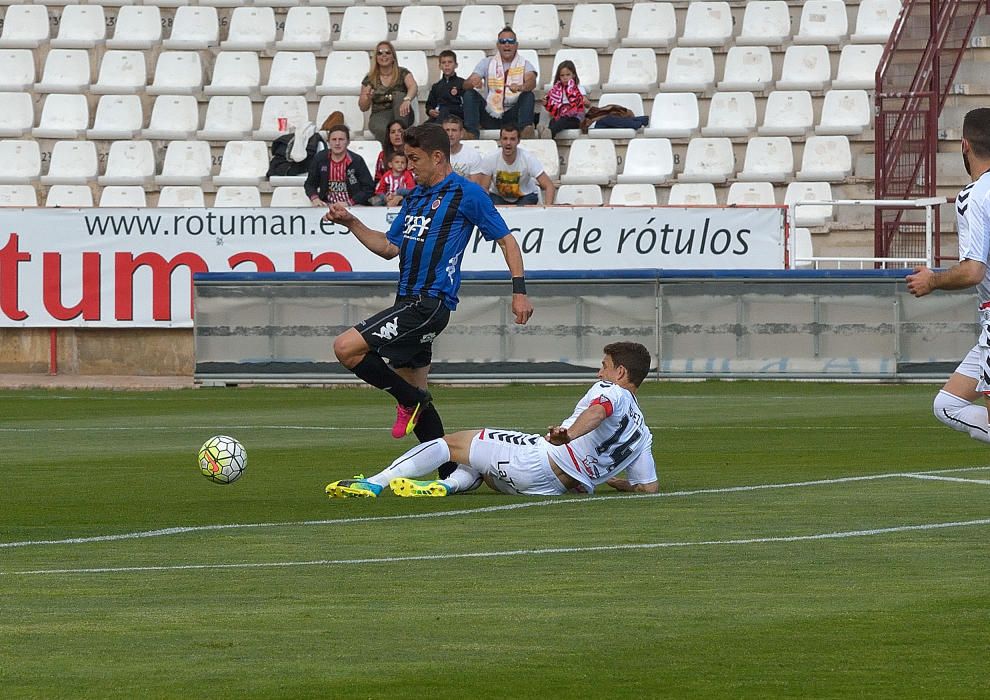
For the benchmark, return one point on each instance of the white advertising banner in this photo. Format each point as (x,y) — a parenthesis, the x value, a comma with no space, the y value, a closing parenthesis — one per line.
(133,267)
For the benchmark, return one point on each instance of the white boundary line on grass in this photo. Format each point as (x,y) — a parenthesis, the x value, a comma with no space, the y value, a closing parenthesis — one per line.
(164,532)
(510,553)
(933,477)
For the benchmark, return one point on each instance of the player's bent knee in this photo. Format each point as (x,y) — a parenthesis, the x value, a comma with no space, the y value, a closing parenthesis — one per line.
(349,348)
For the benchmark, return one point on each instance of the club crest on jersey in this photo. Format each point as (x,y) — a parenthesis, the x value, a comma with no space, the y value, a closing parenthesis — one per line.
(388,330)
(416,226)
(436,204)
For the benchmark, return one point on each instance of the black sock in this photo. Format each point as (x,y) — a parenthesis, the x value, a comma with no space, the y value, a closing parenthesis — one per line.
(430,427)
(373,370)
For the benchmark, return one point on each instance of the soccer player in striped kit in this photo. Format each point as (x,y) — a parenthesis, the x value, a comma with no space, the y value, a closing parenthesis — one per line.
(954,404)
(429,236)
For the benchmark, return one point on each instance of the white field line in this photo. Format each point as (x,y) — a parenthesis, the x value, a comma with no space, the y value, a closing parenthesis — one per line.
(164,532)
(932,477)
(512,552)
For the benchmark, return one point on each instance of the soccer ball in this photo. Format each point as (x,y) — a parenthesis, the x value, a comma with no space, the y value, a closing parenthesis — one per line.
(222,459)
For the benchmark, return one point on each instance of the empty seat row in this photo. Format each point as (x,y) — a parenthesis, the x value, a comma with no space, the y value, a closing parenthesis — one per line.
(135,196)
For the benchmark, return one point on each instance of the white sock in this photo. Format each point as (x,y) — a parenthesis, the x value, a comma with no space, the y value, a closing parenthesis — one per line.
(959,414)
(464,478)
(419,461)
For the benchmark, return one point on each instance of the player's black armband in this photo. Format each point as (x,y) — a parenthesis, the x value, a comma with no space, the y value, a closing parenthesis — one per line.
(518,285)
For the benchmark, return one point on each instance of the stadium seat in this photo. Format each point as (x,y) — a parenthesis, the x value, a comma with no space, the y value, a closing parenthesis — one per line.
(750,193)
(593,25)
(217,3)
(787,113)
(185,196)
(803,249)
(536,26)
(707,24)
(69,196)
(292,73)
(417,64)
(631,195)
(708,160)
(768,159)
(348,104)
(336,4)
(731,114)
(693,194)
(129,163)
(289,197)
(123,196)
(858,67)
(228,117)
(674,115)
(689,70)
(476,26)
(121,73)
(235,73)
(117,117)
(823,22)
(533,57)
(81,27)
(648,161)
(590,162)
(362,28)
(22,161)
(630,100)
(173,117)
(66,70)
(545,151)
(747,68)
(293,108)
(845,112)
(17,117)
(368,150)
(17,72)
(72,163)
(421,28)
(765,23)
(826,158)
(251,29)
(651,25)
(875,21)
(579,195)
(306,29)
(18,196)
(467,59)
(230,196)
(25,27)
(586,62)
(343,73)
(194,28)
(805,68)
(138,27)
(177,73)
(632,70)
(244,163)
(813,214)
(186,163)
(62,117)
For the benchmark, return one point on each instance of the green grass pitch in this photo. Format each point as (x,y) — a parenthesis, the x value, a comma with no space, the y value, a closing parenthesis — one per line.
(870,582)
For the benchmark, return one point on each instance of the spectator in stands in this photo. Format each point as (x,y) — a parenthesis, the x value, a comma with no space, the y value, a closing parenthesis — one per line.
(512,175)
(395,143)
(447,94)
(339,176)
(388,91)
(567,100)
(395,184)
(500,90)
(466,162)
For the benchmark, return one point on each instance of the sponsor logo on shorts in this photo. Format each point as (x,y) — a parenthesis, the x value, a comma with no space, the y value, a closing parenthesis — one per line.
(428,338)
(388,330)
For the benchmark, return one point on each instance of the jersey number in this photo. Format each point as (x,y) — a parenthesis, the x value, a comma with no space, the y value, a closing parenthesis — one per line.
(619,452)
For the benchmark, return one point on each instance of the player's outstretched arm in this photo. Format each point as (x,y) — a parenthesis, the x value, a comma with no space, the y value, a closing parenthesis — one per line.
(624,485)
(590,419)
(373,240)
(522,309)
(966,273)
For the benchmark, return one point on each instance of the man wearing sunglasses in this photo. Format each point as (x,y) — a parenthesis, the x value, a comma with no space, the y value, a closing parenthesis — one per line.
(499,91)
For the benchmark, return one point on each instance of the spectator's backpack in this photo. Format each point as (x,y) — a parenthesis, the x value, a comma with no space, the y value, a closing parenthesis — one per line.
(282,162)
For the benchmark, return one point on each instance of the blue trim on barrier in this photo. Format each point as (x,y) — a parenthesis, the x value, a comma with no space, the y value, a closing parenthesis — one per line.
(553,275)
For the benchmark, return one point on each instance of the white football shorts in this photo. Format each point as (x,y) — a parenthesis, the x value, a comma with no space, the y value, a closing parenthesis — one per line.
(976,365)
(515,463)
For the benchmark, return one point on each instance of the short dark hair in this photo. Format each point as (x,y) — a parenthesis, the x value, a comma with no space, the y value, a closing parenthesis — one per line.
(453,119)
(508,30)
(342,128)
(429,137)
(633,356)
(508,127)
(396,154)
(976,130)
(447,53)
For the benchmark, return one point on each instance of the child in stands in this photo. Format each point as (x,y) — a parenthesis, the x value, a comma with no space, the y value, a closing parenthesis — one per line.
(566,101)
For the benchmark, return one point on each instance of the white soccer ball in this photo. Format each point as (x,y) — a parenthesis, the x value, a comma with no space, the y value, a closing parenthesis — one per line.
(222,459)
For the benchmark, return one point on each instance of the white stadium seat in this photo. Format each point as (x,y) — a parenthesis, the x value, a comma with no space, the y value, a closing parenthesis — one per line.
(293,108)
(417,64)
(537,27)
(235,73)
(590,162)
(846,112)
(689,70)
(348,105)
(708,160)
(765,23)
(579,195)
(476,26)
(228,117)
(858,67)
(747,68)
(121,73)
(826,158)
(21,161)
(194,28)
(586,62)
(651,25)
(674,115)
(251,29)
(173,117)
(803,248)
(18,196)
(533,57)
(292,73)
(362,28)
(875,21)
(548,151)
(123,196)
(185,196)
(72,163)
(69,196)
(66,70)
(593,25)
(787,113)
(17,116)
(707,24)
(750,193)
(129,163)
(231,196)
(768,159)
(731,114)
(25,27)
(62,117)
(421,27)
(822,22)
(186,163)
(631,195)
(177,73)
(368,150)
(137,27)
(694,194)
(648,161)
(805,68)
(632,70)
(545,151)
(81,27)
(467,59)
(343,73)
(243,163)
(306,29)
(813,214)
(117,117)
(336,4)
(630,100)
(289,197)
(16,69)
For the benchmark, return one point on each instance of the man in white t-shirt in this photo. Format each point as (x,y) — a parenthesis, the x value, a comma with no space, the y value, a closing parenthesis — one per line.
(605,435)
(512,175)
(466,162)
(499,90)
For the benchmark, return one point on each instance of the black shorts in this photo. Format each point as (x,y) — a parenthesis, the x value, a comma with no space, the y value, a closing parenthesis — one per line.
(404,332)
